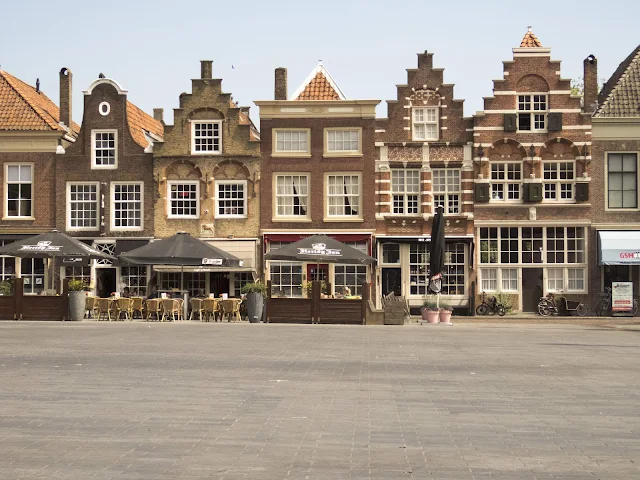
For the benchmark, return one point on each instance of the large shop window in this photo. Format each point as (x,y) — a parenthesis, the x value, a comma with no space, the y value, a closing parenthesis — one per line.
(19,190)
(446,190)
(351,276)
(286,279)
(343,196)
(405,186)
(240,279)
(136,279)
(32,272)
(622,180)
(292,195)
(194,282)
(7,264)
(506,181)
(453,282)
(78,273)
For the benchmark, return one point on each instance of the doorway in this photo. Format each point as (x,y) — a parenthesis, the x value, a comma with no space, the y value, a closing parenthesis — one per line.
(317,273)
(392,281)
(105,281)
(532,279)
(219,283)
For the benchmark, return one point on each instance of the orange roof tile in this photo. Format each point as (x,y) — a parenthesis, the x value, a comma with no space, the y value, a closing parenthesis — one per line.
(23,108)
(319,86)
(141,122)
(244,119)
(530,40)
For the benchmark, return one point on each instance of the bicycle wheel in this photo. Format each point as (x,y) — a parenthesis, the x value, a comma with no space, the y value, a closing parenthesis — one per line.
(543,309)
(500,309)
(635,307)
(581,310)
(483,309)
(601,309)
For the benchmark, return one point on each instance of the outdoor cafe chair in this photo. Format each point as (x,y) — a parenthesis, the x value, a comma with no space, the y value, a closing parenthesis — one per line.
(154,307)
(136,306)
(197,309)
(123,306)
(180,303)
(104,308)
(91,307)
(231,309)
(170,309)
(209,308)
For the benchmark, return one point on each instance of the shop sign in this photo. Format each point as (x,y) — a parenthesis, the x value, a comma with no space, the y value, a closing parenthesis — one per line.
(211,261)
(621,296)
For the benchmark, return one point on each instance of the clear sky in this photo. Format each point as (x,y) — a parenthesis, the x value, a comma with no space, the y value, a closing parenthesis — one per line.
(153,48)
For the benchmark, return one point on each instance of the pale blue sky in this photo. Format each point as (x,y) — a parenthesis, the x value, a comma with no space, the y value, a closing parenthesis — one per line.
(153,48)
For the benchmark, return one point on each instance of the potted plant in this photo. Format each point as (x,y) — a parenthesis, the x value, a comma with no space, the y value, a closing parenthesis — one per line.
(256,293)
(77,299)
(429,309)
(445,311)
(6,287)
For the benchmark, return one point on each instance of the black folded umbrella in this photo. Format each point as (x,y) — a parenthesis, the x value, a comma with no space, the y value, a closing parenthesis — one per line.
(320,249)
(437,251)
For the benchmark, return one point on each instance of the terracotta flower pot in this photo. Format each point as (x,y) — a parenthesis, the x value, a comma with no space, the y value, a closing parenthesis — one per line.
(431,316)
(445,316)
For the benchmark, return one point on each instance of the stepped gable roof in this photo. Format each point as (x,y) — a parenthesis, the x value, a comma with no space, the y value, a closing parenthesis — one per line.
(25,108)
(620,96)
(319,85)
(142,125)
(530,40)
(244,119)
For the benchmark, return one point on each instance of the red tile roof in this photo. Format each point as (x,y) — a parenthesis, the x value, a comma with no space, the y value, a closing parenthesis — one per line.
(319,86)
(141,122)
(530,40)
(23,108)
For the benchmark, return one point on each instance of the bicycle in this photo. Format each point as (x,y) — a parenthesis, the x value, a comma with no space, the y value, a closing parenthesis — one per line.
(492,307)
(547,305)
(604,307)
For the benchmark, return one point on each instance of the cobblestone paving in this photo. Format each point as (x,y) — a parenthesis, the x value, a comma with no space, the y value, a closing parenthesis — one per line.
(163,401)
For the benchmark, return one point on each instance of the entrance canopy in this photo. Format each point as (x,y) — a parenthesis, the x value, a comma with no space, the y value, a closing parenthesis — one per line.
(620,247)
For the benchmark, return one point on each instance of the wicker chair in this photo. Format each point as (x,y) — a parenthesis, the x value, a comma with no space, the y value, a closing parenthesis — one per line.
(154,307)
(231,308)
(103,308)
(91,307)
(136,306)
(180,302)
(170,309)
(209,308)
(123,306)
(197,309)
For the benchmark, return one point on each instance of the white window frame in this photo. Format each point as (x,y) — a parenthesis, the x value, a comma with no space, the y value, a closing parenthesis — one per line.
(294,289)
(403,193)
(505,182)
(95,166)
(19,182)
(559,182)
(276,152)
(97,204)
(606,181)
(489,276)
(419,117)
(450,196)
(328,196)
(244,198)
(193,137)
(568,279)
(276,197)
(532,111)
(342,153)
(170,200)
(113,207)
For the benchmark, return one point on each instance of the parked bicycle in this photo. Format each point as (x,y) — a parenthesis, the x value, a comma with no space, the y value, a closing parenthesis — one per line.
(559,304)
(491,307)
(604,307)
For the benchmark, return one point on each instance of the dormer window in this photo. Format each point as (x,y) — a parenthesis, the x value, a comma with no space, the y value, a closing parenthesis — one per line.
(425,124)
(532,113)
(206,137)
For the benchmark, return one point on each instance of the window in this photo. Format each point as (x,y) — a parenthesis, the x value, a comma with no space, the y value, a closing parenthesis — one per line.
(19,182)
(532,112)
(622,180)
(509,279)
(506,179)
(405,185)
(136,279)
(82,206)
(575,245)
(343,140)
(206,137)
(576,279)
(558,180)
(391,253)
(446,190)
(231,199)
(126,206)
(532,245)
(195,283)
(184,198)
(343,195)
(104,148)
(489,245)
(489,279)
(292,193)
(286,279)
(453,281)
(78,273)
(351,276)
(240,279)
(425,123)
(291,141)
(555,279)
(7,264)
(555,245)
(418,268)
(32,272)
(105,247)
(509,245)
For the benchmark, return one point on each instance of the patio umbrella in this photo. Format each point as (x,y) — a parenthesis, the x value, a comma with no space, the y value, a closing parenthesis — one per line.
(437,251)
(321,249)
(51,245)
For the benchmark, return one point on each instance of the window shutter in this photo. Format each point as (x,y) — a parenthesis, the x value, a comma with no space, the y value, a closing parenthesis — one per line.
(582,192)
(555,122)
(482,192)
(533,192)
(509,122)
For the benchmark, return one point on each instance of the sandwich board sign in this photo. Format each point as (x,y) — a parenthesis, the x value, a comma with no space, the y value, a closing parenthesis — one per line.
(622,297)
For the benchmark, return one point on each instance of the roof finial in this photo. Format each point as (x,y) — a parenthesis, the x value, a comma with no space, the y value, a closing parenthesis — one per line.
(320,62)
(529,28)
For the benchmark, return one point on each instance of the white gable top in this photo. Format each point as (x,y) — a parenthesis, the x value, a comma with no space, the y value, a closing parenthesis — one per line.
(319,69)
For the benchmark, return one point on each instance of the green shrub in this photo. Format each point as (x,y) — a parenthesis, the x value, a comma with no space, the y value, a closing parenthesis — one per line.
(505,301)
(430,302)
(76,285)
(257,287)
(6,287)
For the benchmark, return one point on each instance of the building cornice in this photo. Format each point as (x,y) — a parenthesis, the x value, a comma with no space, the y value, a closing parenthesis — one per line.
(317,108)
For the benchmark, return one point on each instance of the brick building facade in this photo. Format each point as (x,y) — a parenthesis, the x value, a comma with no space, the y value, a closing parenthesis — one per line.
(532,166)
(423,160)
(105,186)
(33,132)
(615,231)
(317,169)
(207,172)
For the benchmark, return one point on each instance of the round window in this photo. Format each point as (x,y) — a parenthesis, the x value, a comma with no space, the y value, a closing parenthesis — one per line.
(104,108)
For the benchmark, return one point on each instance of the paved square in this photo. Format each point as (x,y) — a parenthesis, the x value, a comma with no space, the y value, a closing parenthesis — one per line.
(190,400)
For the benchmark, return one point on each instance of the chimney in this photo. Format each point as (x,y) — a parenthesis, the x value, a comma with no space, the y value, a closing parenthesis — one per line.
(590,84)
(65,96)
(280,90)
(425,61)
(158,114)
(206,69)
